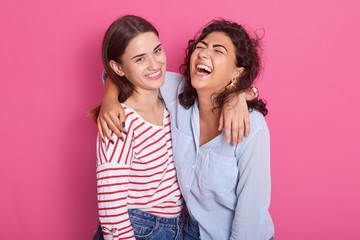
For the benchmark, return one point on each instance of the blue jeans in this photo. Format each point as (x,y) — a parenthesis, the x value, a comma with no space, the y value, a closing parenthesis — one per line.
(191,230)
(151,227)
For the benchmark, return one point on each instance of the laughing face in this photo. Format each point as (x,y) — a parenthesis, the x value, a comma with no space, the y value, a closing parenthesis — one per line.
(213,63)
(143,62)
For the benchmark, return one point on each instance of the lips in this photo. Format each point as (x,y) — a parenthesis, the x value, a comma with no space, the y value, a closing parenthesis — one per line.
(155,75)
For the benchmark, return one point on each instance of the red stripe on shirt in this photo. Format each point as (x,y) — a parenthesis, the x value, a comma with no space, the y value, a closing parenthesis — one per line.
(147,138)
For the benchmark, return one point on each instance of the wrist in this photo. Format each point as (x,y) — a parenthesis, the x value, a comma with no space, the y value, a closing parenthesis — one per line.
(255,91)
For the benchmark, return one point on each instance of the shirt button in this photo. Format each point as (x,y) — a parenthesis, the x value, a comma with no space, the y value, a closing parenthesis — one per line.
(192,166)
(187,185)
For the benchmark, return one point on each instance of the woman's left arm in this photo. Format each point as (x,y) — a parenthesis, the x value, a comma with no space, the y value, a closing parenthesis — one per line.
(252,219)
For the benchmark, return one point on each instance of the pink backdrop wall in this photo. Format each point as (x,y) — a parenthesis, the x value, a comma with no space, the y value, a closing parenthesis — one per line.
(50,76)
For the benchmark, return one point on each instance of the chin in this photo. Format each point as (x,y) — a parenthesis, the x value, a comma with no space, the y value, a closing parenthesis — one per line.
(158,84)
(197,85)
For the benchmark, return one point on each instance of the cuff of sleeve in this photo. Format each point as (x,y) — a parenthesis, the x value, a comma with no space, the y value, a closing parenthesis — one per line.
(104,76)
(256,92)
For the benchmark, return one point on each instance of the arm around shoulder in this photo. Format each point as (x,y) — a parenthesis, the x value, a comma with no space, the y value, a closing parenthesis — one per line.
(111,113)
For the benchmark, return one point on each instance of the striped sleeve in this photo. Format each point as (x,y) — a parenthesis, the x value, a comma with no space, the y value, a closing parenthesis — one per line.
(113,169)
(112,184)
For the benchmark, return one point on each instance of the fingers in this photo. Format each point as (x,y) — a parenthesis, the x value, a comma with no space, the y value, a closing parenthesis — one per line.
(221,123)
(109,122)
(106,130)
(234,131)
(235,121)
(235,124)
(240,130)
(122,118)
(227,129)
(247,124)
(230,123)
(100,130)
(114,124)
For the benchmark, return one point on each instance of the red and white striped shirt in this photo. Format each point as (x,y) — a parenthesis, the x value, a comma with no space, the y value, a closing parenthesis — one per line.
(137,173)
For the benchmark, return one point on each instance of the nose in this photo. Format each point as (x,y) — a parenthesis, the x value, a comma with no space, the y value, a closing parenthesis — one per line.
(153,63)
(203,53)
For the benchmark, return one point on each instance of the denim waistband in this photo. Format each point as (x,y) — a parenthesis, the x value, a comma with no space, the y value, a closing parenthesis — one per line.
(153,219)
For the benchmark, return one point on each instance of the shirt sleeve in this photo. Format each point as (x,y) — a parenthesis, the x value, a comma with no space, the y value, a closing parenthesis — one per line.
(103,76)
(168,91)
(252,220)
(113,168)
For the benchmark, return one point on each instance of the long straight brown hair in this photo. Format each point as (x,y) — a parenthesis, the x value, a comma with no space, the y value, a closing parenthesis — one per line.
(116,39)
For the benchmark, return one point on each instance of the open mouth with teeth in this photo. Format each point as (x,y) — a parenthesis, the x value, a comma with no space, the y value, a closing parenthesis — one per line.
(154,75)
(203,70)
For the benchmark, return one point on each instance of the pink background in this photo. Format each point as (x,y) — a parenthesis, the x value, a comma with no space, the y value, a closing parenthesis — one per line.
(50,77)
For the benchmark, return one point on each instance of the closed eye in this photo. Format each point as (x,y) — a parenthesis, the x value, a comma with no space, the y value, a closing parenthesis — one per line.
(200,45)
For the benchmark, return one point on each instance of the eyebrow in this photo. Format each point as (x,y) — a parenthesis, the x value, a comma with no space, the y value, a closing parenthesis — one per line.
(158,46)
(219,45)
(214,46)
(141,55)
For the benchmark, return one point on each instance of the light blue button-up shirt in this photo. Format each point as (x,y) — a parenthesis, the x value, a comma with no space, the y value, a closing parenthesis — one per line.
(226,188)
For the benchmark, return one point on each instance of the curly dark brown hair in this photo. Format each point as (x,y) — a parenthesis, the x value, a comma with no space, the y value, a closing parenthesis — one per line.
(247,56)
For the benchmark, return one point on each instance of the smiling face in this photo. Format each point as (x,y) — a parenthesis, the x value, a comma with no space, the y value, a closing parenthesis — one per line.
(213,63)
(143,62)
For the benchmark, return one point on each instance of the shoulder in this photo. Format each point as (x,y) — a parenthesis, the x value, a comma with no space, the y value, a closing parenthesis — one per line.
(132,120)
(118,151)
(130,115)
(259,133)
(257,122)
(172,80)
(173,76)
(169,90)
(254,151)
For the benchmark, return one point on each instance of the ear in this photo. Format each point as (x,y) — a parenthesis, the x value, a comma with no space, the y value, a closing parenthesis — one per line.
(117,68)
(238,72)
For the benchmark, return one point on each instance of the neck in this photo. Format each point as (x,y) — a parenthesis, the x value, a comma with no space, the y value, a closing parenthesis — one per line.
(206,106)
(144,100)
(209,118)
(148,105)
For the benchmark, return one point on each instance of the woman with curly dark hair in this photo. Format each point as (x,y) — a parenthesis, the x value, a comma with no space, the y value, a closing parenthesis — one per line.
(226,188)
